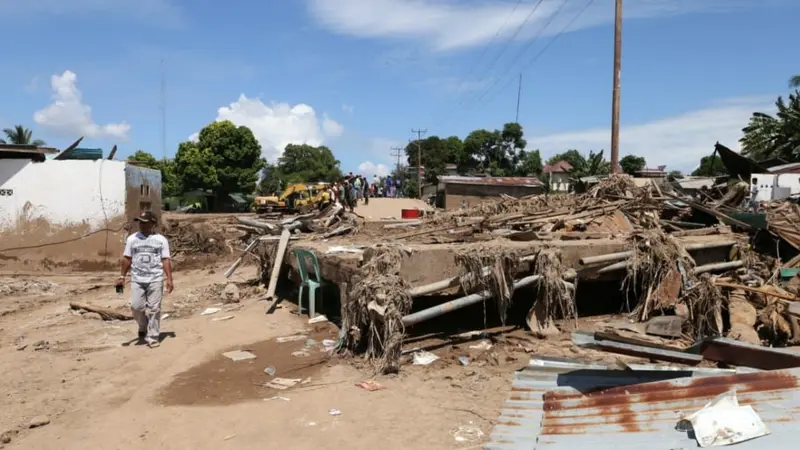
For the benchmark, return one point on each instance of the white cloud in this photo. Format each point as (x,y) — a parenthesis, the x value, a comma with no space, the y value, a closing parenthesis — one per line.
(679,141)
(331,127)
(450,25)
(278,124)
(194,137)
(69,116)
(368,169)
(349,109)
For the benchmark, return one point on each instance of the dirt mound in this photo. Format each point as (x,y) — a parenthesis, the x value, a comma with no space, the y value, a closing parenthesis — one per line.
(19,287)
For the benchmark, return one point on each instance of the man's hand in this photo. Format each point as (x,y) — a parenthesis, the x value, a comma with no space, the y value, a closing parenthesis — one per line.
(120,281)
(170,286)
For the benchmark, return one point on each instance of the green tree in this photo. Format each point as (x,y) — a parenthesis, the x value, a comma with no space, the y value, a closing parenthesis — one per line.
(169,179)
(306,163)
(631,164)
(436,153)
(270,181)
(498,152)
(531,163)
(572,156)
(710,166)
(778,136)
(225,159)
(20,135)
(794,82)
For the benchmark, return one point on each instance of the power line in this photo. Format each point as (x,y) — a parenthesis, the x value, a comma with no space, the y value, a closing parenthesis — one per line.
(398,152)
(545,48)
(486,47)
(507,44)
(523,50)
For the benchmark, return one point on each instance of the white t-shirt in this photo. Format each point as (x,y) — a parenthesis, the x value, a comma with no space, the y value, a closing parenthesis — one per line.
(146,253)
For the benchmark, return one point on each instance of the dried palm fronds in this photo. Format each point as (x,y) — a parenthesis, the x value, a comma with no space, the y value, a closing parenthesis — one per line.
(498,279)
(378,302)
(555,299)
(655,256)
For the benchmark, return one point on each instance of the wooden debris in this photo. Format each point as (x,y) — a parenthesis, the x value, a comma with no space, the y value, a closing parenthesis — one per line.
(105,313)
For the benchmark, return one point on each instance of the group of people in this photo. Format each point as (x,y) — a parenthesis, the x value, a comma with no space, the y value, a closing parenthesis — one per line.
(353,188)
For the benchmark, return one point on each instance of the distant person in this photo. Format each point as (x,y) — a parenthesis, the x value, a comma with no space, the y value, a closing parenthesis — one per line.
(754,194)
(389,186)
(398,193)
(357,186)
(147,257)
(375,181)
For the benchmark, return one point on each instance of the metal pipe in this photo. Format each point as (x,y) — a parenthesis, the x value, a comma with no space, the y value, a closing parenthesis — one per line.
(699,269)
(589,260)
(438,310)
(718,266)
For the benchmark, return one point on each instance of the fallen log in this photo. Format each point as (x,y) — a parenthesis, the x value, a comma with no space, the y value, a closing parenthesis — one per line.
(105,313)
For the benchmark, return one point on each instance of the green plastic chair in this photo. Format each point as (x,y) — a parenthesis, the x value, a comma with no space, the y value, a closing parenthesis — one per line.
(304,257)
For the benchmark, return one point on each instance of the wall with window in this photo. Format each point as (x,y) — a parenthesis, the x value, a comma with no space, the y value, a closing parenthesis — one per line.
(71,213)
(61,193)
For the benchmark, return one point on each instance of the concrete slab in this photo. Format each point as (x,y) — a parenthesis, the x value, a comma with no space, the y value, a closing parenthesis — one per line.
(429,263)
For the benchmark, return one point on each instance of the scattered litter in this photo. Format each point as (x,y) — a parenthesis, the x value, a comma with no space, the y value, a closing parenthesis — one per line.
(270,371)
(341,249)
(239,355)
(467,433)
(282,383)
(295,338)
(329,345)
(41,345)
(230,436)
(301,354)
(463,360)
(318,319)
(220,319)
(39,421)
(310,343)
(165,316)
(277,397)
(209,311)
(423,358)
(482,345)
(370,385)
(306,381)
(334,412)
(22,347)
(311,424)
(723,422)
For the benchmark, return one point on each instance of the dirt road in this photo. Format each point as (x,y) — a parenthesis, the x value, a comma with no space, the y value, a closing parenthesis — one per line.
(382,208)
(98,392)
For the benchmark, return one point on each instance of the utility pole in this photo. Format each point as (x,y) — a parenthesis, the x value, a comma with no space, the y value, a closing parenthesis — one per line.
(398,152)
(163,112)
(519,94)
(615,92)
(419,159)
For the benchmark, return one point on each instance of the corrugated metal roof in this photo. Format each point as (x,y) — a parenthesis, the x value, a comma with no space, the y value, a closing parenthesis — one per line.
(18,148)
(789,168)
(579,405)
(492,181)
(696,183)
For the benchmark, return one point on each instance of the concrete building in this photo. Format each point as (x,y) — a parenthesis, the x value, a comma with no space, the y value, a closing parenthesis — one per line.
(559,176)
(461,192)
(70,209)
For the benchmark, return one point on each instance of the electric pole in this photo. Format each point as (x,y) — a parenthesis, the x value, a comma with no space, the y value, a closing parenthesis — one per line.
(615,92)
(398,152)
(419,159)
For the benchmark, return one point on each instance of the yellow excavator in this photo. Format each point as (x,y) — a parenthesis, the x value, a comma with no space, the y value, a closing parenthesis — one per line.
(296,198)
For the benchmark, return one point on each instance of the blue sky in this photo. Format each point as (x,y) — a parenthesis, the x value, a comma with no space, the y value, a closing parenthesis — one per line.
(358,75)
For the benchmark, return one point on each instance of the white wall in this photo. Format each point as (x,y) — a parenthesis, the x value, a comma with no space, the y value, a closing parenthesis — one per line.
(64,193)
(559,182)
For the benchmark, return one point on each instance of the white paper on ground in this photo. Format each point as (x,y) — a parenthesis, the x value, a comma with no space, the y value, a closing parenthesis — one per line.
(423,358)
(724,422)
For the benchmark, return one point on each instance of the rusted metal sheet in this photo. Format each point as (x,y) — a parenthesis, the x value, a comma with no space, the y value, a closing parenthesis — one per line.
(738,353)
(588,340)
(520,422)
(491,181)
(568,404)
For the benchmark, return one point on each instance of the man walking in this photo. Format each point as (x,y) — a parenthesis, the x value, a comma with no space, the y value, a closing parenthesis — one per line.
(147,257)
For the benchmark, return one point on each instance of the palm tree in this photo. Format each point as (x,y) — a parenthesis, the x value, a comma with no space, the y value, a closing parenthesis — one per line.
(20,135)
(794,82)
(777,136)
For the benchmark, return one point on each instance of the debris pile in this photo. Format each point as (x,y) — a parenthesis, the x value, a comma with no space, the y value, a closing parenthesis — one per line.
(189,239)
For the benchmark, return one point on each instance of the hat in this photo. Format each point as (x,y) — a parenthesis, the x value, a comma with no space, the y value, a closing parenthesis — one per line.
(146,216)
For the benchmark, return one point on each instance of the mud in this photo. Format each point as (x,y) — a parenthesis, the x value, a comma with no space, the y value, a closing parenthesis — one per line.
(220,381)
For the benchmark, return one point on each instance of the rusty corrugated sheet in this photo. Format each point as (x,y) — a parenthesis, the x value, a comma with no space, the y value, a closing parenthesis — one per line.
(491,181)
(574,405)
